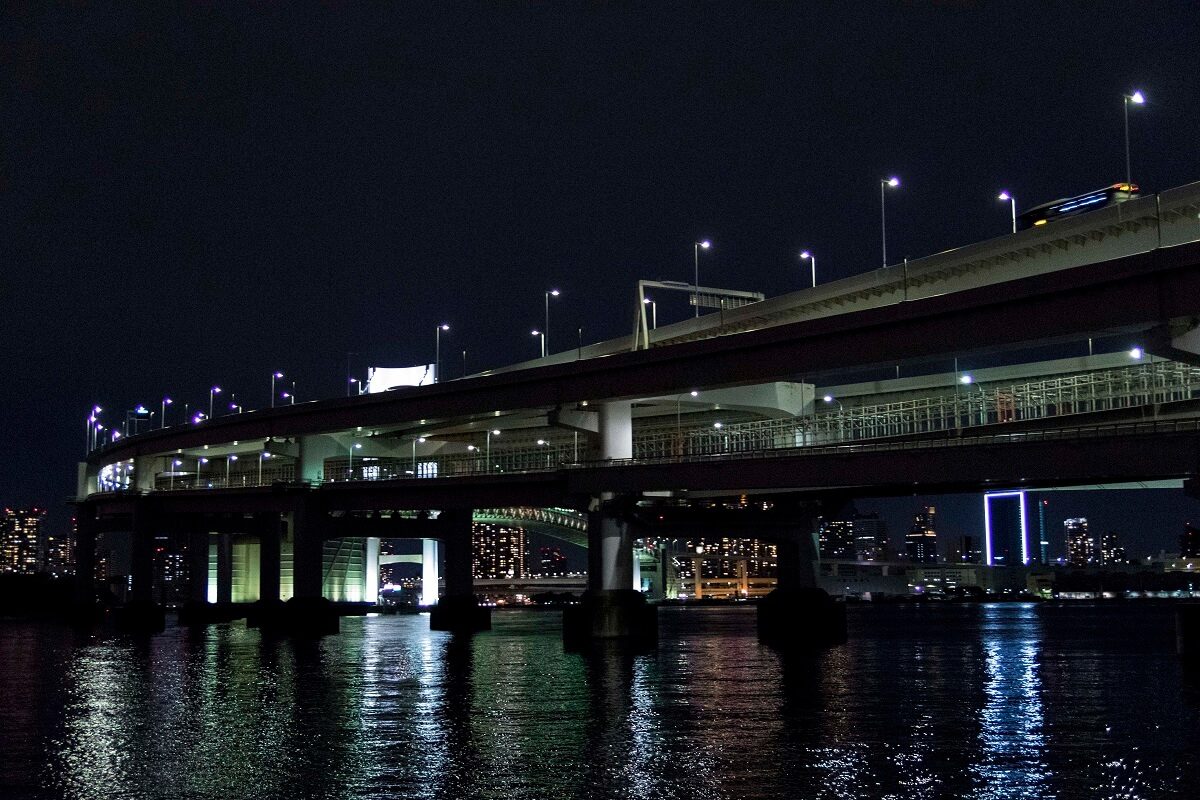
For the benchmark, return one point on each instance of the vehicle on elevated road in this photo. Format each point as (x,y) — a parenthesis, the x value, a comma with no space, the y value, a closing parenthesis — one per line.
(1070,206)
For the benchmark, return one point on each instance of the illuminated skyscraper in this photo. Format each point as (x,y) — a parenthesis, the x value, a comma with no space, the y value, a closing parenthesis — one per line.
(1111,552)
(836,539)
(498,551)
(921,540)
(1080,548)
(1006,534)
(21,548)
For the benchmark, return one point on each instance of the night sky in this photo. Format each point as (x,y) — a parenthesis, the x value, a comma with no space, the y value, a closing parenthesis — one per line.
(210,194)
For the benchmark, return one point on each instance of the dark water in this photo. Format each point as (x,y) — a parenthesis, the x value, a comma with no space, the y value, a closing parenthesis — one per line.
(944,701)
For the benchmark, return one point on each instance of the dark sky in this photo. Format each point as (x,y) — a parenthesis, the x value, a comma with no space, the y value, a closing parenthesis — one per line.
(212,192)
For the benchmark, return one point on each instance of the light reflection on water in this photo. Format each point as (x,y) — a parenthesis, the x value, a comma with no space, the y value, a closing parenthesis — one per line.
(938,701)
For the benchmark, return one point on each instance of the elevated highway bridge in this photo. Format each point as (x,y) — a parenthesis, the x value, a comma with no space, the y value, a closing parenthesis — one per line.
(747,400)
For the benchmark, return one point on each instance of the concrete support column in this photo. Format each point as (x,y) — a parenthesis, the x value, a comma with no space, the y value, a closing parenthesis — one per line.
(141,613)
(429,572)
(197,566)
(308,613)
(224,568)
(308,551)
(85,559)
(371,568)
(268,526)
(616,429)
(798,615)
(141,557)
(458,610)
(610,609)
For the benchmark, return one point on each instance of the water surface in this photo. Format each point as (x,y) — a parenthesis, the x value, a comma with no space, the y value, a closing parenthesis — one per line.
(993,701)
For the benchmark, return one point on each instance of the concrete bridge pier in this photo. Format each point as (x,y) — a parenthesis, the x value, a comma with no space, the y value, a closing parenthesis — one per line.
(458,609)
(141,613)
(269,608)
(307,613)
(798,615)
(86,609)
(610,609)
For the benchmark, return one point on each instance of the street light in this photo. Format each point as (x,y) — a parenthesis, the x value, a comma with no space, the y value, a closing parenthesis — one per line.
(420,439)
(653,312)
(199,463)
(228,460)
(1012,202)
(883,185)
(488,453)
(1136,353)
(437,351)
(274,375)
(162,420)
(831,399)
(174,465)
(543,338)
(261,457)
(357,389)
(546,330)
(1137,98)
(355,446)
(806,255)
(213,391)
(705,244)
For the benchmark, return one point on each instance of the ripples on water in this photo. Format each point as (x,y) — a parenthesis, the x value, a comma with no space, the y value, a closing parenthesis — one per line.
(1000,701)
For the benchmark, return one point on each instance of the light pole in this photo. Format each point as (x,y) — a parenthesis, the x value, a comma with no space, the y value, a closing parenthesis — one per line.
(199,462)
(228,460)
(831,399)
(353,447)
(883,185)
(488,452)
(678,418)
(653,312)
(437,351)
(162,420)
(420,439)
(541,336)
(358,388)
(291,398)
(705,244)
(261,458)
(215,390)
(174,466)
(546,330)
(807,255)
(274,376)
(1012,202)
(1137,98)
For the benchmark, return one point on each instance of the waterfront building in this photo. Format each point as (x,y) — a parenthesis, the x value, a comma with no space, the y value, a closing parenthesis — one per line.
(21,547)
(966,550)
(836,539)
(921,540)
(1080,547)
(498,551)
(1111,552)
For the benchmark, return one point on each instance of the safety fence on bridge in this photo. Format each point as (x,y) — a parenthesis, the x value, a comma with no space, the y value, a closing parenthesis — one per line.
(970,406)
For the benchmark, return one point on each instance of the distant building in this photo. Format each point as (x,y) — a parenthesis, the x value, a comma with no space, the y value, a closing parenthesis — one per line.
(170,576)
(966,550)
(836,539)
(1111,552)
(870,537)
(921,541)
(551,561)
(59,553)
(498,551)
(21,547)
(1189,541)
(1043,548)
(1080,548)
